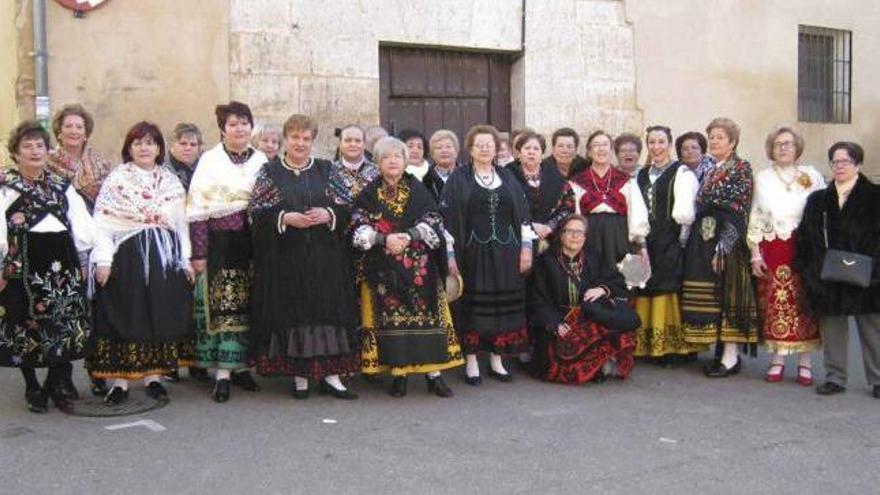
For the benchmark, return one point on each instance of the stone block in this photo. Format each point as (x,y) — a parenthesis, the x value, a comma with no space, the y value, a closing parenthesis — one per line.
(260,16)
(267,94)
(269,53)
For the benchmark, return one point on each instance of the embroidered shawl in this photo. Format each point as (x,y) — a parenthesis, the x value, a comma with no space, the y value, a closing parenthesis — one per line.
(220,187)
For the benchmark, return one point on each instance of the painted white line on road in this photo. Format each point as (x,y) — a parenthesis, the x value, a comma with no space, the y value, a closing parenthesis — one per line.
(146,423)
(328,421)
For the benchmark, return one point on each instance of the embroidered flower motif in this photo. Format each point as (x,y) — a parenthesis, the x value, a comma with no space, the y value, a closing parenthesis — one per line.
(55,266)
(18,218)
(805,181)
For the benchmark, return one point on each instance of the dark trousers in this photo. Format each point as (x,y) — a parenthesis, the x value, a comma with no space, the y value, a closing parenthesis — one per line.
(835,334)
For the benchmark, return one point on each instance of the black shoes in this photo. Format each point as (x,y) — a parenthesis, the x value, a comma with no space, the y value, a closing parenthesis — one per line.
(246,381)
(473,381)
(299,394)
(60,396)
(831,388)
(599,378)
(221,390)
(718,370)
(37,401)
(501,377)
(116,396)
(876,392)
(438,387)
(99,387)
(328,389)
(157,391)
(398,386)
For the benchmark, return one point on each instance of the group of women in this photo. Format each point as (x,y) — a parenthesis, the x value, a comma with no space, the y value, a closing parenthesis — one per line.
(421,257)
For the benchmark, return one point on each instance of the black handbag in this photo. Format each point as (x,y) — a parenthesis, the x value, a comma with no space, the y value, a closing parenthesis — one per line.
(845,267)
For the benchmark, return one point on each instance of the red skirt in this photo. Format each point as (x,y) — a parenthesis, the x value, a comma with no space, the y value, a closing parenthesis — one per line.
(786,327)
(577,358)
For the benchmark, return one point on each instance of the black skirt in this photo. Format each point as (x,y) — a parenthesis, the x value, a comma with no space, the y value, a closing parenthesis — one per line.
(145,300)
(608,236)
(44,317)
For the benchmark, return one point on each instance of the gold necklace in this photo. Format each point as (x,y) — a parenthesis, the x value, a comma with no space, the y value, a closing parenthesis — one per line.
(788,183)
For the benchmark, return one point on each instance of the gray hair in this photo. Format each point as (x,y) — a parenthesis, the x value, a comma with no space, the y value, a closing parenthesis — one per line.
(263,128)
(386,146)
(442,134)
(186,129)
(373,134)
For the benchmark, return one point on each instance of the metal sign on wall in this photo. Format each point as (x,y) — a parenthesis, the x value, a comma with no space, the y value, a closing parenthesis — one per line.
(82,6)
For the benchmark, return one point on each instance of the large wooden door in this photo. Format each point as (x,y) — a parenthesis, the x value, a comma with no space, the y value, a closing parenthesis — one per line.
(428,89)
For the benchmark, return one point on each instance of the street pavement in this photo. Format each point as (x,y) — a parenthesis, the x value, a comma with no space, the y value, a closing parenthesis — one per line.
(662,431)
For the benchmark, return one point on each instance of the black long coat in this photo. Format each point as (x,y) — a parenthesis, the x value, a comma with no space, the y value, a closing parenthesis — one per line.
(856,228)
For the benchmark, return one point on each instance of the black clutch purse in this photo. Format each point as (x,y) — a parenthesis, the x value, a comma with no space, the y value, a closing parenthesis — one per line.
(845,267)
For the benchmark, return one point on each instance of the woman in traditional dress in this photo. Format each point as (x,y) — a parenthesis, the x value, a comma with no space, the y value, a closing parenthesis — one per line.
(718,298)
(612,203)
(780,196)
(351,171)
(44,314)
(74,159)
(444,152)
(416,148)
(691,148)
(216,208)
(578,304)
(563,153)
(142,268)
(304,310)
(267,137)
(669,189)
(404,314)
(486,212)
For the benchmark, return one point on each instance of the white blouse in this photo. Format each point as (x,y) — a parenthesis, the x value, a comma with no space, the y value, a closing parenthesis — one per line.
(637,220)
(77,214)
(778,205)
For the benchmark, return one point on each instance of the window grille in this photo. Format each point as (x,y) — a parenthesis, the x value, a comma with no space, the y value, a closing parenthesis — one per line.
(824,75)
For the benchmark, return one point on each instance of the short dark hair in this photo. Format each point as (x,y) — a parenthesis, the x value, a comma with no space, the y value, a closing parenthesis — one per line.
(556,240)
(565,132)
(854,150)
(627,138)
(407,134)
(139,131)
(659,128)
(28,129)
(526,136)
(237,108)
(73,109)
(696,136)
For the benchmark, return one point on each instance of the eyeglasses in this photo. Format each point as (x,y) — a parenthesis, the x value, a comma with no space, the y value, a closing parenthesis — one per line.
(784,145)
(484,146)
(842,163)
(574,232)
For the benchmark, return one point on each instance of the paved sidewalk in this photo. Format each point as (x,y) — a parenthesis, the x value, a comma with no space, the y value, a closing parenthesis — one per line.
(663,431)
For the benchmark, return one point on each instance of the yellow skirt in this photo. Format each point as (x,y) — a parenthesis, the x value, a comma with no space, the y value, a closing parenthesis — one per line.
(370,347)
(661,333)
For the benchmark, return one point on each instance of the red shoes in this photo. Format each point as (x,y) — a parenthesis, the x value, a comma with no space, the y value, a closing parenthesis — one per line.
(775,377)
(805,380)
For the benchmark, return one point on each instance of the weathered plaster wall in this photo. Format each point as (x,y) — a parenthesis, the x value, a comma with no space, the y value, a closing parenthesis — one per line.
(696,61)
(129,61)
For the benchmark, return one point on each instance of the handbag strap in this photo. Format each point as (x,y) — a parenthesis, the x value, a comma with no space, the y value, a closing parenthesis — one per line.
(825,227)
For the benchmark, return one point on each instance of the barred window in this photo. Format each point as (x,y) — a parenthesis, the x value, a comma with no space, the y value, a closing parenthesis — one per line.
(824,75)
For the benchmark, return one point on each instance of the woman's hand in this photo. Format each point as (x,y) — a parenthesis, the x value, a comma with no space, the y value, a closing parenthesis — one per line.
(190,275)
(199,266)
(542,230)
(525,260)
(452,266)
(3,283)
(297,220)
(593,294)
(396,243)
(718,263)
(562,330)
(102,274)
(759,268)
(318,216)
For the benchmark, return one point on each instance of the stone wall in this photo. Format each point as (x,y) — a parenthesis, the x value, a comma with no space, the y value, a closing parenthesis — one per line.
(579,67)
(322,58)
